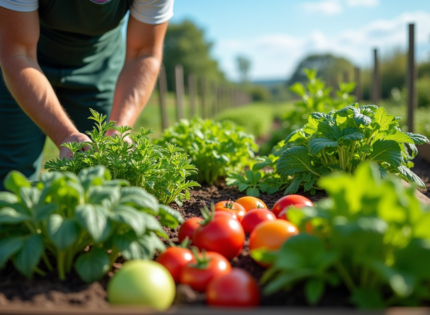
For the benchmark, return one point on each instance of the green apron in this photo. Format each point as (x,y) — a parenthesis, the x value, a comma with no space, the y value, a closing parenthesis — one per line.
(81,51)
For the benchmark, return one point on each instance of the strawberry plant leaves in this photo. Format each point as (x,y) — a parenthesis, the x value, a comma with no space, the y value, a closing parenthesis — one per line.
(294,160)
(294,186)
(27,258)
(418,139)
(62,232)
(383,119)
(386,151)
(8,247)
(351,133)
(410,176)
(316,145)
(93,265)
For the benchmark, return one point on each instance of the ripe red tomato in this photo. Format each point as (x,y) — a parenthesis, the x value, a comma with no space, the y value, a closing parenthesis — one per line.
(210,266)
(237,288)
(228,212)
(255,217)
(175,259)
(223,235)
(188,228)
(271,234)
(250,203)
(290,200)
(231,206)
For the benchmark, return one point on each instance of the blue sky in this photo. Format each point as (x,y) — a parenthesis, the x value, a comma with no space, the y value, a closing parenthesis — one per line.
(276,34)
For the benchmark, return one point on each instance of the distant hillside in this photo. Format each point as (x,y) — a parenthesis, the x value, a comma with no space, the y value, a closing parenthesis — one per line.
(269,83)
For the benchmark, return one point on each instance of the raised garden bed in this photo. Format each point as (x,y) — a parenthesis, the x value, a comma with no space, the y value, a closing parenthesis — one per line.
(49,295)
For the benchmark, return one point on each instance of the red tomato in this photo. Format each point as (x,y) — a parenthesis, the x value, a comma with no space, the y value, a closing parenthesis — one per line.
(290,200)
(223,235)
(250,203)
(283,214)
(255,217)
(237,288)
(228,212)
(271,235)
(232,206)
(188,228)
(175,259)
(198,277)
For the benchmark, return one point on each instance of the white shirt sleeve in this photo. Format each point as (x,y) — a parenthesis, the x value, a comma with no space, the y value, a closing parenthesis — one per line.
(20,5)
(152,11)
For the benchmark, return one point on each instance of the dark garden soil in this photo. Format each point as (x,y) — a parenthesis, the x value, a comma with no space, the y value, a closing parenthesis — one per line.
(50,292)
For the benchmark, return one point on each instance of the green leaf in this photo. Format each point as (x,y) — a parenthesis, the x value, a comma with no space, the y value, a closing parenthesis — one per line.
(92,266)
(298,89)
(313,290)
(62,232)
(382,119)
(418,139)
(30,197)
(294,160)
(366,298)
(11,216)
(42,212)
(28,257)
(133,247)
(169,217)
(351,133)
(14,181)
(94,219)
(139,198)
(253,192)
(263,255)
(8,247)
(316,145)
(130,216)
(294,186)
(386,151)
(411,176)
(7,198)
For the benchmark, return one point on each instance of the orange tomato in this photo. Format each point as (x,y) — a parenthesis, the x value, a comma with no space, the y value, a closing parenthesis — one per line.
(250,203)
(229,206)
(272,234)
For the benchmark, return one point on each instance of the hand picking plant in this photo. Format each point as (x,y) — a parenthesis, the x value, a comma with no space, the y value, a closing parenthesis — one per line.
(76,220)
(215,148)
(162,171)
(342,139)
(371,236)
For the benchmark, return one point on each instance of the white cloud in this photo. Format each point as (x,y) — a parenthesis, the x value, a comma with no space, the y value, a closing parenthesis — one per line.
(362,3)
(276,55)
(329,7)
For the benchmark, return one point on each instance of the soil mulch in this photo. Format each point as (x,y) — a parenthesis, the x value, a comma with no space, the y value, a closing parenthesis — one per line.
(50,292)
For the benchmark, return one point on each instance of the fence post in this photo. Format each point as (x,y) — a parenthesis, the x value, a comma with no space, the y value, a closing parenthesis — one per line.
(203,97)
(162,89)
(358,91)
(214,99)
(179,91)
(376,88)
(345,76)
(412,101)
(192,94)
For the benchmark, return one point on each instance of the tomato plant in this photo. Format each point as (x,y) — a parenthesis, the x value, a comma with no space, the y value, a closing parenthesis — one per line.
(271,234)
(187,229)
(255,217)
(221,234)
(231,206)
(290,200)
(144,283)
(249,203)
(174,259)
(208,266)
(237,288)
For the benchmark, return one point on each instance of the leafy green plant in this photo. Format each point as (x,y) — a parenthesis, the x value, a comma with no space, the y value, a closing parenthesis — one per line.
(315,96)
(76,220)
(161,170)
(342,139)
(215,148)
(371,236)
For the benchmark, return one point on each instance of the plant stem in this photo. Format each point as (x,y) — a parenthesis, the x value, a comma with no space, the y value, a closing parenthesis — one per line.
(60,265)
(345,276)
(113,256)
(39,271)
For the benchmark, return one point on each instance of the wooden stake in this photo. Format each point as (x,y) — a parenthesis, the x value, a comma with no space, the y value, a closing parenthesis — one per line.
(179,89)
(162,89)
(411,77)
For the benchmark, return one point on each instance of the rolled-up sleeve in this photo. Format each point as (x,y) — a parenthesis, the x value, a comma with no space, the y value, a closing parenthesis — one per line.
(152,11)
(20,5)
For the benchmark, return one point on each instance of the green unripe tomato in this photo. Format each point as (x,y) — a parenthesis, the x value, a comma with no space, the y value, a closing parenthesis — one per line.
(144,283)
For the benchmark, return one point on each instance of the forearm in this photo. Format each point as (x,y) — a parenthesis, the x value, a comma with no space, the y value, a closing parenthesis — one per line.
(134,87)
(35,95)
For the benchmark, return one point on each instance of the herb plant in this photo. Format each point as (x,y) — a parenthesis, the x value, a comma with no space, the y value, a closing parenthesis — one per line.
(371,236)
(215,148)
(76,220)
(162,171)
(342,139)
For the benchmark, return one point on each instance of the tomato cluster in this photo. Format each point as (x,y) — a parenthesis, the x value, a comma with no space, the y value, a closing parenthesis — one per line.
(220,237)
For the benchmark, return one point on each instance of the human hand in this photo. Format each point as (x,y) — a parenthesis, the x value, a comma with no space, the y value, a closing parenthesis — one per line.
(77,137)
